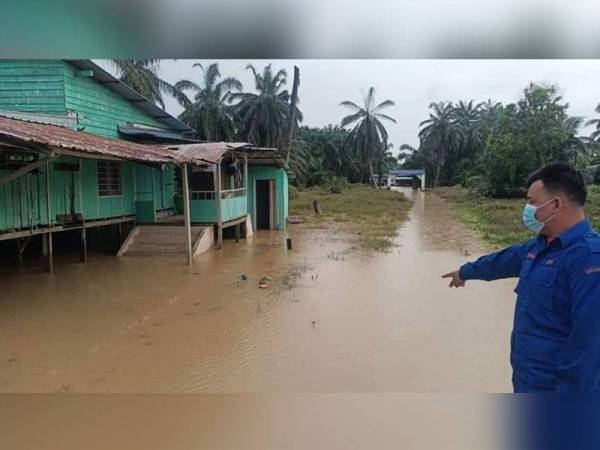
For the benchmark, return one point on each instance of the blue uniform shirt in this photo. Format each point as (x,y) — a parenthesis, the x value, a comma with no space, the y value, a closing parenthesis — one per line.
(555,343)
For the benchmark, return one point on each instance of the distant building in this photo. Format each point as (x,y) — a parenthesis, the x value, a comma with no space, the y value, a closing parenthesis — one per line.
(414,178)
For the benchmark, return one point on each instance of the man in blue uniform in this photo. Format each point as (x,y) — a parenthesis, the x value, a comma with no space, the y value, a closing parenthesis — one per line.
(555,343)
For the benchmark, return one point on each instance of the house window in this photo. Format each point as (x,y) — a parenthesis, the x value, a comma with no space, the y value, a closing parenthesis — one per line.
(109,178)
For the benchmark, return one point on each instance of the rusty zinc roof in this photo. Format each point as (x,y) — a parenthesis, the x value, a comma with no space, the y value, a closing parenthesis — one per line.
(207,152)
(29,135)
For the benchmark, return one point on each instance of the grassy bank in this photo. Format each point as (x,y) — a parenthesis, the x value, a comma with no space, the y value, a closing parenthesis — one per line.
(498,221)
(372,215)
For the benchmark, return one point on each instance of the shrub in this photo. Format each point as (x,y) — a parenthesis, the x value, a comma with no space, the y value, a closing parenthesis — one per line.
(335,185)
(293,193)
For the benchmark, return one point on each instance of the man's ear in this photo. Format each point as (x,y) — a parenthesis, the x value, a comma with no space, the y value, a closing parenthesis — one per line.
(560,203)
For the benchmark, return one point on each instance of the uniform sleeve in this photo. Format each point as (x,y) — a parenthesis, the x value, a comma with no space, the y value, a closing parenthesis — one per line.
(503,264)
(579,370)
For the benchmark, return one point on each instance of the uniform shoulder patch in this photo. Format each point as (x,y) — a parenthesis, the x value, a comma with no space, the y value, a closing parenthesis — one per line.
(591,270)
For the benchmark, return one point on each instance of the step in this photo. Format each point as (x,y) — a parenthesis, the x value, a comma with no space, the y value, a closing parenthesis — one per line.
(156,248)
(166,230)
(166,212)
(161,239)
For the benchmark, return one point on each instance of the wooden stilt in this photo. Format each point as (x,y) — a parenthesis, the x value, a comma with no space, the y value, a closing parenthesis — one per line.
(22,246)
(50,265)
(20,251)
(83,251)
(186,214)
(218,199)
(50,262)
(44,245)
(237,233)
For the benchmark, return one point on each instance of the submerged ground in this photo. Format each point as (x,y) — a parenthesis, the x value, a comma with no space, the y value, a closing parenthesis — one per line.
(332,320)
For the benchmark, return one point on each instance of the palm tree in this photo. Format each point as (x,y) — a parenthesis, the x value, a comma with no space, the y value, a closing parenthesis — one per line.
(142,76)
(466,118)
(573,148)
(210,113)
(438,137)
(369,136)
(385,160)
(488,114)
(595,122)
(264,116)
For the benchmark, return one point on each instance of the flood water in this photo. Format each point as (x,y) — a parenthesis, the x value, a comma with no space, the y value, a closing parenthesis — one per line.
(252,422)
(333,319)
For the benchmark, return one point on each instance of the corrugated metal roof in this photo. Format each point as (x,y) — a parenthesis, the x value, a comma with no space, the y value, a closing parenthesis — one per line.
(207,152)
(212,152)
(406,172)
(49,119)
(19,132)
(106,79)
(164,135)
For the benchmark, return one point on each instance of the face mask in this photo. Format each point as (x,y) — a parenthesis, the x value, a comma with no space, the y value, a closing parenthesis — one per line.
(531,221)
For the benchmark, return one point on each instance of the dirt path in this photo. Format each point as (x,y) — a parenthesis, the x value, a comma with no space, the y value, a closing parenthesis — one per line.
(331,322)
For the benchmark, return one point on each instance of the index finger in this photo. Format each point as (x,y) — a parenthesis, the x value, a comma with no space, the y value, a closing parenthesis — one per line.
(448,275)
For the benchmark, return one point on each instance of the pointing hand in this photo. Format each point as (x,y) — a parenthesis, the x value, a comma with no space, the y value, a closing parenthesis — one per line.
(456,281)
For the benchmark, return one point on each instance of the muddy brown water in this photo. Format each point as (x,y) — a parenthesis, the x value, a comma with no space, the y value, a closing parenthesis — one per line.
(333,320)
(245,421)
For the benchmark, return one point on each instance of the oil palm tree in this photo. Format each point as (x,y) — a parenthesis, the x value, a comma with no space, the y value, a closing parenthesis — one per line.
(142,76)
(210,112)
(368,137)
(263,117)
(468,125)
(438,137)
(596,123)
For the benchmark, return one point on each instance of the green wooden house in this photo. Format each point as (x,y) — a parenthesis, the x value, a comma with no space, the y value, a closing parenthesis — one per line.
(92,188)
(79,149)
(82,96)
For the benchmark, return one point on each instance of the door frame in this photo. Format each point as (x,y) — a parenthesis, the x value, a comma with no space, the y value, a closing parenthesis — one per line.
(272,203)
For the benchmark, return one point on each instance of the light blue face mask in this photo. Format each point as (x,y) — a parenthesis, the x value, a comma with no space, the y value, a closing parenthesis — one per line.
(531,221)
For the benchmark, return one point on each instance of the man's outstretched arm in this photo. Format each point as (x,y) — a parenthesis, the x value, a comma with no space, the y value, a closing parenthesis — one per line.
(495,266)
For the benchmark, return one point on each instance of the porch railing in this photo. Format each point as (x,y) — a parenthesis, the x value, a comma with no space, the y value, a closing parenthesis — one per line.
(212,195)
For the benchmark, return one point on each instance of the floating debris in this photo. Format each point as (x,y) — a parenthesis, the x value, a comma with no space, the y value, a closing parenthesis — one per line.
(242,279)
(293,220)
(265,282)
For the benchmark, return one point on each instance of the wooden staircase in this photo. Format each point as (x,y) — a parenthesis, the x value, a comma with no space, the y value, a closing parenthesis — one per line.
(155,240)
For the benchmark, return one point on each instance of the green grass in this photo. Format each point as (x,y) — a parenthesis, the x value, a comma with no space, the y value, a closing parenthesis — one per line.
(371,215)
(498,221)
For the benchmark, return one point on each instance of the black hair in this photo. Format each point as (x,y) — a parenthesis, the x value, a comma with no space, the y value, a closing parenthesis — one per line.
(561,177)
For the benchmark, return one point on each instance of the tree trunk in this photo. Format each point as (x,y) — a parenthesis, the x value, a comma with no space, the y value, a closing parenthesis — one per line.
(436,178)
(379,173)
(293,102)
(371,175)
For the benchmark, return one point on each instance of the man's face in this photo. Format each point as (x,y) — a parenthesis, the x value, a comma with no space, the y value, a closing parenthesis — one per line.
(538,196)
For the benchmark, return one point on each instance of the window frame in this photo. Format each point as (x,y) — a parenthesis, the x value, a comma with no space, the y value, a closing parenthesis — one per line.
(112,167)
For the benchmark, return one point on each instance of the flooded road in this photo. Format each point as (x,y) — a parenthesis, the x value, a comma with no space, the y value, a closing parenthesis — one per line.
(333,320)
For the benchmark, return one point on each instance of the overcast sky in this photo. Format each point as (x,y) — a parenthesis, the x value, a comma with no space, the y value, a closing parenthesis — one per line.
(411,84)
